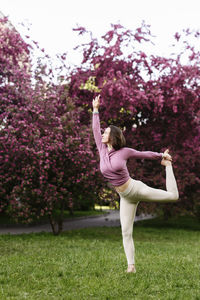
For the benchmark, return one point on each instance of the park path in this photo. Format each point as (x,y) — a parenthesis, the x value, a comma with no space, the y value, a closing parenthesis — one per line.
(109,219)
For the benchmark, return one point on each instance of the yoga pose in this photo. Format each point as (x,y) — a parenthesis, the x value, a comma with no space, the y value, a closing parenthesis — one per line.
(113,158)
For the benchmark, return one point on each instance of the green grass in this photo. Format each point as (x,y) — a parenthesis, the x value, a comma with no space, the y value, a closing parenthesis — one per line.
(90,264)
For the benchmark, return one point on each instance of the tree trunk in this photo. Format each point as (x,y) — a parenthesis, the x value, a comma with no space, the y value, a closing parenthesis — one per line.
(167,213)
(71,211)
(57,225)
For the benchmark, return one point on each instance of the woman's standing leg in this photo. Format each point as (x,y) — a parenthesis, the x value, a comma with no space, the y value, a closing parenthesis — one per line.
(139,192)
(127,216)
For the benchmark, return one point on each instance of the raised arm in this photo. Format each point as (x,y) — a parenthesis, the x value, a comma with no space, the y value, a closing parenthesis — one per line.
(96,123)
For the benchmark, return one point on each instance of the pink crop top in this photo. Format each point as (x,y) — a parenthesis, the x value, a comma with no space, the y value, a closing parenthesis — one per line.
(113,163)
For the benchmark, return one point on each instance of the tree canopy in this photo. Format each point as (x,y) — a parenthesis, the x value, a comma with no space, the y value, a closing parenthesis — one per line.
(155,100)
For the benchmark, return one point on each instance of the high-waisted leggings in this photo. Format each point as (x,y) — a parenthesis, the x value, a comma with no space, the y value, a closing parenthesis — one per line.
(138,191)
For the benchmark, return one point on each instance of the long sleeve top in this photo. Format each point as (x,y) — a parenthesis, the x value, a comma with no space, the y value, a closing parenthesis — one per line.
(113,163)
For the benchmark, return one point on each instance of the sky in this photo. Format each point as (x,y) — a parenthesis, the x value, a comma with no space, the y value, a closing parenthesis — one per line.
(51,21)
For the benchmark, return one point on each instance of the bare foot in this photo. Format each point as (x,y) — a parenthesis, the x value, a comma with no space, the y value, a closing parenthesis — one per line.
(166,162)
(131,269)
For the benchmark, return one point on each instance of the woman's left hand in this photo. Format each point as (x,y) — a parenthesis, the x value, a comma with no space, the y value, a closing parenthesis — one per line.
(166,155)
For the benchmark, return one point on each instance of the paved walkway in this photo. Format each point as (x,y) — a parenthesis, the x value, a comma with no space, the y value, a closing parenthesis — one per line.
(109,219)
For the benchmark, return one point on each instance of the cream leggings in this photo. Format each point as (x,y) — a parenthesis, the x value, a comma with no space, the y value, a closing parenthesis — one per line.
(138,191)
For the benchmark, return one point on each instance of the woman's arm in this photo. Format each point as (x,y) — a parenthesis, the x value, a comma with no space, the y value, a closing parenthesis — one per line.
(96,123)
(129,152)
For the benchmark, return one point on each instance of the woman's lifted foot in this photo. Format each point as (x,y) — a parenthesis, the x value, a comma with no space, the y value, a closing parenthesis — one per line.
(131,269)
(167,159)
(166,162)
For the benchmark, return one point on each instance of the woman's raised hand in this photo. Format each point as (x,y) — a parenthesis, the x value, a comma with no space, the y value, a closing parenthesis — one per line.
(96,102)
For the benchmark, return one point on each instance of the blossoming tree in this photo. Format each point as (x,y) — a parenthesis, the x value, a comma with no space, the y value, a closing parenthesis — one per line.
(47,165)
(154,99)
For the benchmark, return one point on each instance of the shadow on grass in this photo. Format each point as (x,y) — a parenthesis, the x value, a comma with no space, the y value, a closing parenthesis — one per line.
(99,233)
(93,233)
(113,233)
(182,222)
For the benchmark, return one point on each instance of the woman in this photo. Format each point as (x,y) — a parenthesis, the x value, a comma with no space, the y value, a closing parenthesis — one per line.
(113,158)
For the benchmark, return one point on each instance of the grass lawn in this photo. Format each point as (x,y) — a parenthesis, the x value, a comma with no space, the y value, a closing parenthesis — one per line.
(90,264)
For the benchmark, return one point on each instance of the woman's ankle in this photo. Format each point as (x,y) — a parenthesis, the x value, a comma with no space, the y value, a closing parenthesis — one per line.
(131,269)
(165,162)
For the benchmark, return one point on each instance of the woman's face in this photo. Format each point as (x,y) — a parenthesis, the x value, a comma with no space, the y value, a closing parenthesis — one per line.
(106,136)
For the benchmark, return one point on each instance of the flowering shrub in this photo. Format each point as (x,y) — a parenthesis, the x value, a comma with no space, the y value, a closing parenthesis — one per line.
(154,99)
(51,159)
(46,160)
